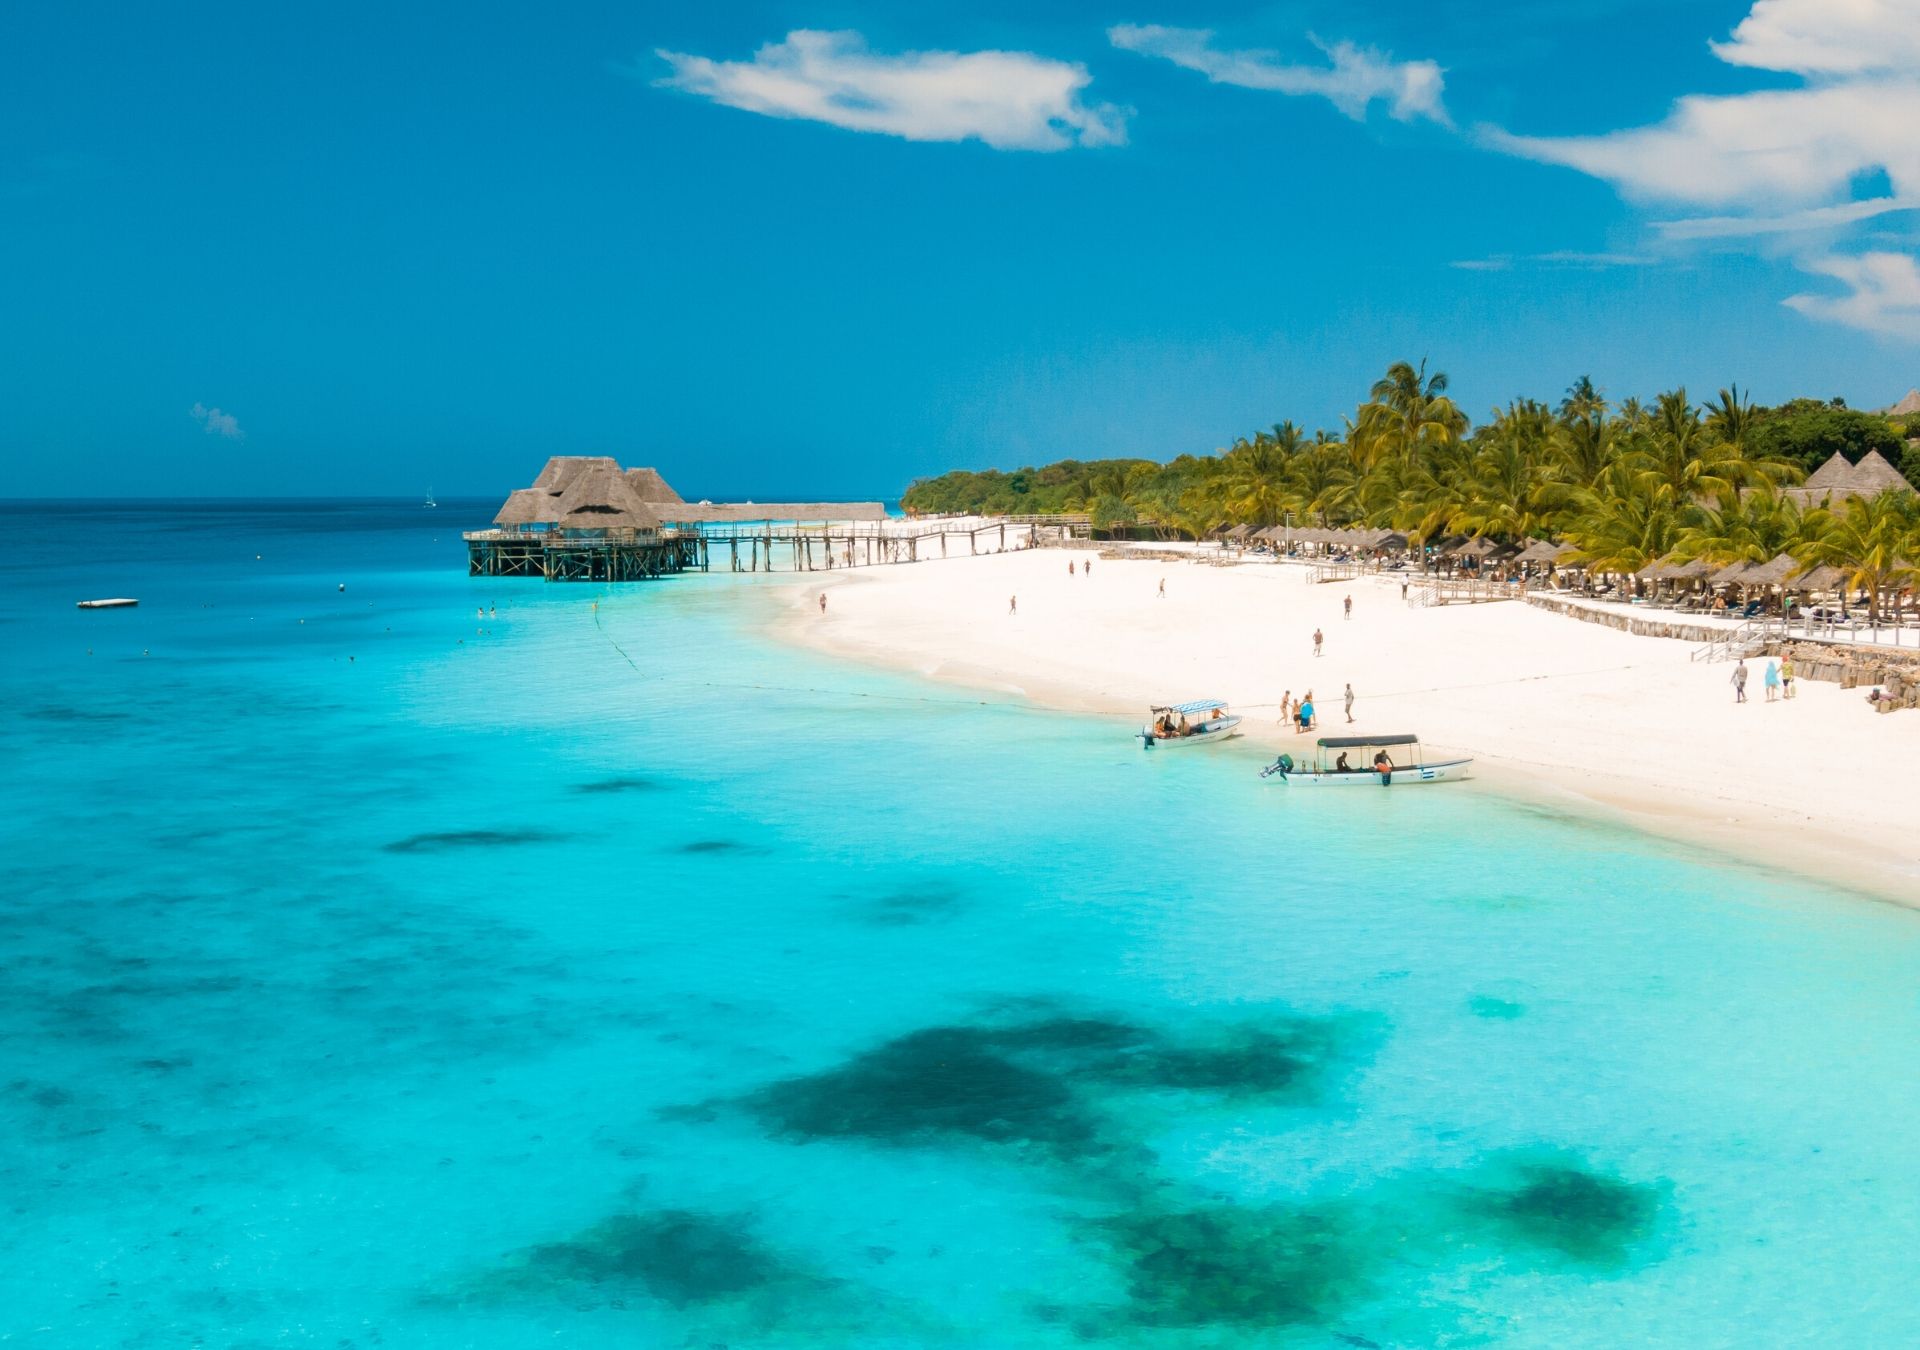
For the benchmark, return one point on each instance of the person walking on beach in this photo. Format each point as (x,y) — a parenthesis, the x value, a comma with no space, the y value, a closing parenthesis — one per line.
(1739,681)
(1305,712)
(1318,638)
(1349,702)
(1403,588)
(1286,706)
(1086,568)
(1786,677)
(1772,680)
(1349,606)
(823,602)
(1071,570)
(1163,588)
(1013,604)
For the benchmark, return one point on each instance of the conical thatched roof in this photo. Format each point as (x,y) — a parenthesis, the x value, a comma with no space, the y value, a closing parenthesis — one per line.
(649,486)
(1481,547)
(1776,571)
(1537,550)
(524,506)
(561,470)
(1731,575)
(1657,570)
(1874,475)
(1835,473)
(1822,578)
(598,497)
(1907,405)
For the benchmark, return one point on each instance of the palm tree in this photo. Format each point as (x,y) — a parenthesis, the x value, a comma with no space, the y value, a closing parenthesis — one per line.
(1870,539)
(1756,526)
(1620,527)
(1407,412)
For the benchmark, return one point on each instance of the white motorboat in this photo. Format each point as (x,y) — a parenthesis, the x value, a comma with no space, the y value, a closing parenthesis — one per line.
(118,602)
(1200,721)
(1363,761)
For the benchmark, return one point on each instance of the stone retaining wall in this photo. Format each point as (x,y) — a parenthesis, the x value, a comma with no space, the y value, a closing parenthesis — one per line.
(1641,625)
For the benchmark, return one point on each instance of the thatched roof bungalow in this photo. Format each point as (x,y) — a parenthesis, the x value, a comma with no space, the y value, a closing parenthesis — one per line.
(593,493)
(1837,480)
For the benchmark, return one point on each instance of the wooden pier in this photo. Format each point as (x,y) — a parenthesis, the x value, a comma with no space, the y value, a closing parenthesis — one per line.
(643,555)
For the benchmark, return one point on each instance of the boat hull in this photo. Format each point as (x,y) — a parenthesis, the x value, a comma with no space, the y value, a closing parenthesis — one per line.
(121,602)
(1210,733)
(1447,771)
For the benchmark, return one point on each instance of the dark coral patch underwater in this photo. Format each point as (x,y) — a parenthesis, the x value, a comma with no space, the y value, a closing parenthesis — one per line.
(1562,1207)
(1232,1265)
(445,841)
(680,1257)
(1045,1082)
(611,786)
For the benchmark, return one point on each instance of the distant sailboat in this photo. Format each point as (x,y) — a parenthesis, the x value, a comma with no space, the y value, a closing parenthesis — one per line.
(429,501)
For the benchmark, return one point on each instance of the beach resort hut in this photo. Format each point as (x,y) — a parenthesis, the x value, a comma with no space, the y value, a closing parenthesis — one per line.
(599,499)
(651,488)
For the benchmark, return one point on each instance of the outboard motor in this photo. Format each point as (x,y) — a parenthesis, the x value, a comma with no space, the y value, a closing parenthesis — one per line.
(1282,766)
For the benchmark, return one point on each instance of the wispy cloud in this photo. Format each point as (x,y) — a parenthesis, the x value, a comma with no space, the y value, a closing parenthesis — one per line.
(1353,79)
(1809,221)
(1560,257)
(1783,164)
(1882,293)
(1009,100)
(217,423)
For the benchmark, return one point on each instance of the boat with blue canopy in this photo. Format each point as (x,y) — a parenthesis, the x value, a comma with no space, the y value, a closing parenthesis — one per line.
(1200,721)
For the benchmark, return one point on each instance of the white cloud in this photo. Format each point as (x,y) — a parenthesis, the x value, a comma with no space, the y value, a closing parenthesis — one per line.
(1826,37)
(1883,293)
(1785,165)
(1777,149)
(1009,100)
(217,423)
(1560,257)
(1354,79)
(1809,221)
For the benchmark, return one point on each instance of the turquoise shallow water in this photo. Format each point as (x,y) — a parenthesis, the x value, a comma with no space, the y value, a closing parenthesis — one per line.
(377,975)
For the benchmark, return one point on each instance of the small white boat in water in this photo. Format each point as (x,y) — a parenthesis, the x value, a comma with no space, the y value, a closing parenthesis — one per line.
(119,602)
(429,501)
(1362,761)
(1202,721)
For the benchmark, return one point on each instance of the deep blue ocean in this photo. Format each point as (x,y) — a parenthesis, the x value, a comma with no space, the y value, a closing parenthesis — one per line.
(376,974)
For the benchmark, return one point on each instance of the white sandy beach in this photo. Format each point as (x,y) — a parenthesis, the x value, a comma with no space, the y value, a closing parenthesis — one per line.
(1550,707)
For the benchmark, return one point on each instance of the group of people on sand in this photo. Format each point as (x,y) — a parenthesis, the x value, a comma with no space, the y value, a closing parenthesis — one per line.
(1778,679)
(1300,711)
(1171,726)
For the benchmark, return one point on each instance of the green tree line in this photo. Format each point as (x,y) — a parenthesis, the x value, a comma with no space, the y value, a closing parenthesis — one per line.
(1625,483)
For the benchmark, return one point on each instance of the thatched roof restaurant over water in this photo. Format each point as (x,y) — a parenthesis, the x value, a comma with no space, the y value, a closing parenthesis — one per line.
(593,493)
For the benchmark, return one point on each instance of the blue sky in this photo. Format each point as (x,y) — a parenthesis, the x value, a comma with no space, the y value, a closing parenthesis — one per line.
(826,247)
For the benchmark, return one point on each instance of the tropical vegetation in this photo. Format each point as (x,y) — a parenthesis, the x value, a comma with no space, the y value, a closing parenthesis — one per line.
(1624,483)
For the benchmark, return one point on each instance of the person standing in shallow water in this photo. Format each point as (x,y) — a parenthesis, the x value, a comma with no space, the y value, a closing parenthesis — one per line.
(1739,681)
